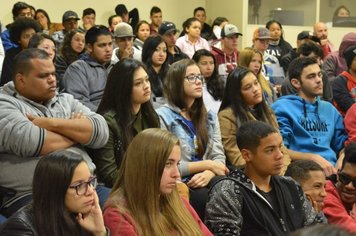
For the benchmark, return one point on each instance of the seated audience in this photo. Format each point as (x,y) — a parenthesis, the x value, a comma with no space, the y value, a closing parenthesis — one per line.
(85,79)
(334,64)
(198,131)
(243,101)
(113,21)
(131,17)
(72,49)
(226,57)
(124,39)
(257,201)
(144,199)
(191,41)
(344,86)
(213,85)
(64,200)
(88,19)
(69,22)
(350,124)
(252,59)
(311,178)
(127,110)
(141,32)
(156,19)
(47,26)
(200,14)
(340,201)
(20,33)
(217,26)
(309,125)
(42,121)
(45,42)
(154,56)
(321,32)
(168,32)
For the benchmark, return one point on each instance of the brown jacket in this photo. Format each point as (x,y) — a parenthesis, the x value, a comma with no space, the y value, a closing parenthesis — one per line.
(228,127)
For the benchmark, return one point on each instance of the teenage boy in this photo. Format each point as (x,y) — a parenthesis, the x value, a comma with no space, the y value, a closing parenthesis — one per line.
(257,201)
(86,78)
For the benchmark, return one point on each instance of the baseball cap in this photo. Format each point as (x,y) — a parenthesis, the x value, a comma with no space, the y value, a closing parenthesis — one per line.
(307,35)
(70,15)
(229,30)
(167,27)
(261,33)
(122,30)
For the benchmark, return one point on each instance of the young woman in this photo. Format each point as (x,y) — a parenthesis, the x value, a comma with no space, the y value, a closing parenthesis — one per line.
(64,200)
(45,42)
(278,47)
(213,86)
(243,101)
(190,40)
(142,32)
(144,199)
(185,115)
(47,26)
(73,47)
(154,55)
(127,109)
(252,59)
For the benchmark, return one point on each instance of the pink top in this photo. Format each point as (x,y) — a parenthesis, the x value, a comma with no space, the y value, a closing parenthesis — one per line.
(123,224)
(189,48)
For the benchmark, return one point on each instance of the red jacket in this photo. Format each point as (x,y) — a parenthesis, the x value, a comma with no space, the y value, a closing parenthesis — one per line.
(124,224)
(335,210)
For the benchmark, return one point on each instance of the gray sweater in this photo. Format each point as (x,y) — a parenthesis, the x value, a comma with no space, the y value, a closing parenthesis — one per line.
(21,141)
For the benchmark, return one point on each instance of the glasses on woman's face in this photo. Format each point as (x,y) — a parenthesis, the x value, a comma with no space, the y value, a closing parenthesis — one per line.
(345,179)
(82,188)
(193,78)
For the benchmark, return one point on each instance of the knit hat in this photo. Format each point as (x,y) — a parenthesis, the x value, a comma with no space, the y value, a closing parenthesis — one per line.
(261,33)
(70,15)
(229,30)
(123,30)
(349,55)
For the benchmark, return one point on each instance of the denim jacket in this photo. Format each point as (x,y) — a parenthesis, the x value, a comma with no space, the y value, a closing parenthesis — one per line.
(172,120)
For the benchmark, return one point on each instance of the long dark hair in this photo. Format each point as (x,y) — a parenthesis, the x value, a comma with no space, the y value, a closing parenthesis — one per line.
(149,47)
(233,98)
(118,97)
(46,15)
(174,92)
(52,177)
(214,84)
(67,51)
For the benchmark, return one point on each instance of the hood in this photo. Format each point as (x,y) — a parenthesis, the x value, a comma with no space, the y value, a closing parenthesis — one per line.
(348,40)
(306,105)
(8,89)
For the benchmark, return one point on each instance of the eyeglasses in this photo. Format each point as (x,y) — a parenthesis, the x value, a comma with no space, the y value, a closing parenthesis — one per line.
(345,179)
(82,188)
(193,78)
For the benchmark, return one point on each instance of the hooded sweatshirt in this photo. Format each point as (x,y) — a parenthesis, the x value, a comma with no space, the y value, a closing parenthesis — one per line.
(225,63)
(335,63)
(310,127)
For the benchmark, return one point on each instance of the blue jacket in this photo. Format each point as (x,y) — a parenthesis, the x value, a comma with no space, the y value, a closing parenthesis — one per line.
(172,120)
(310,127)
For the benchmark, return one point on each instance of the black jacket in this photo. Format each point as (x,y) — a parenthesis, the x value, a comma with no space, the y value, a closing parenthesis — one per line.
(236,208)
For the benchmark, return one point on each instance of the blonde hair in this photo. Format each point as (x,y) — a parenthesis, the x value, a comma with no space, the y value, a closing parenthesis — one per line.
(137,189)
(245,58)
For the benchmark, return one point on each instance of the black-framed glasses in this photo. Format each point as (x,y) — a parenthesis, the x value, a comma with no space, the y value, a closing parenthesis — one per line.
(345,179)
(194,78)
(82,187)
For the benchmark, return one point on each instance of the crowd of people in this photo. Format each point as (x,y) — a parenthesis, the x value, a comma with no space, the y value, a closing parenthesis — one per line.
(130,129)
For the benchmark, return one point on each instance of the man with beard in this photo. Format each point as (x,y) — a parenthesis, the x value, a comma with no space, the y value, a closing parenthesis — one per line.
(321,31)
(340,201)
(309,125)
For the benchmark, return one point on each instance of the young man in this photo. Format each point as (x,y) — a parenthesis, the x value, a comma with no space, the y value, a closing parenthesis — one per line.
(257,201)
(311,128)
(321,32)
(124,41)
(226,57)
(86,78)
(311,178)
(131,17)
(206,31)
(340,201)
(88,19)
(42,121)
(168,32)
(69,22)
(156,19)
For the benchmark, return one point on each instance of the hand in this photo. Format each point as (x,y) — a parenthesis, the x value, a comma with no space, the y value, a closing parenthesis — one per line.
(327,167)
(318,206)
(219,168)
(340,159)
(93,221)
(126,53)
(201,179)
(77,115)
